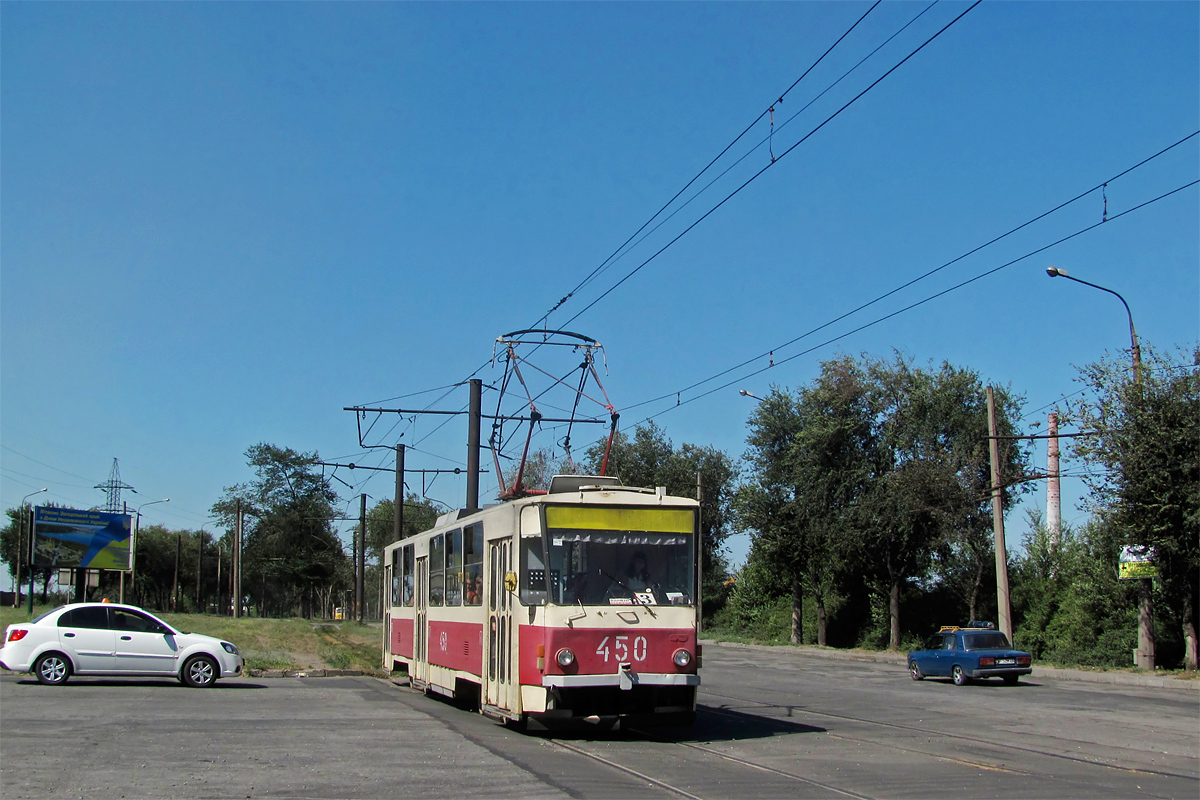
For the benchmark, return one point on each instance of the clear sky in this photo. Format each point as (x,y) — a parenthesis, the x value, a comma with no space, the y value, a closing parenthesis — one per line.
(224,222)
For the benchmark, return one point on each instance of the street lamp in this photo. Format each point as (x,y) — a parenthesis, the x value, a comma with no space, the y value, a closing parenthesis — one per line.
(20,543)
(1135,350)
(744,393)
(1145,652)
(137,526)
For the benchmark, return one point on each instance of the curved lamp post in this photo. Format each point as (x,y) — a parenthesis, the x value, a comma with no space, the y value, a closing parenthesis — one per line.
(1144,658)
(17,574)
(137,526)
(1135,350)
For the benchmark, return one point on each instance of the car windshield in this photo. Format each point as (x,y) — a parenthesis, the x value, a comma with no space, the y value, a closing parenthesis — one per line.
(992,640)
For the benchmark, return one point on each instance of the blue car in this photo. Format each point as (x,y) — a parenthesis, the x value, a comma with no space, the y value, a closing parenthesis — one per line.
(965,654)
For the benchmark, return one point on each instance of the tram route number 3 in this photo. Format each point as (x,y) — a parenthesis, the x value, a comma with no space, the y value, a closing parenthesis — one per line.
(621,648)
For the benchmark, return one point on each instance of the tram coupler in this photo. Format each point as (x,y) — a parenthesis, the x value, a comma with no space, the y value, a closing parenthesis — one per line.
(628,678)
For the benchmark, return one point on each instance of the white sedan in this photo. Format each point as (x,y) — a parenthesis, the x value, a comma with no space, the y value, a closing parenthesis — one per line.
(112,639)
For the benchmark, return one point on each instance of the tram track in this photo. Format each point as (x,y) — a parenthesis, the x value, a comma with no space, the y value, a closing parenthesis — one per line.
(676,790)
(977,740)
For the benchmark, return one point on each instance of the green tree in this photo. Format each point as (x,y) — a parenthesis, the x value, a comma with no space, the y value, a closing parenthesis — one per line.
(1069,605)
(1147,445)
(292,557)
(929,467)
(14,549)
(649,459)
(809,460)
(880,468)
(420,514)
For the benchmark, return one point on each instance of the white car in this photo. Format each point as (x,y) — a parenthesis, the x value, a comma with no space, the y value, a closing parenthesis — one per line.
(113,639)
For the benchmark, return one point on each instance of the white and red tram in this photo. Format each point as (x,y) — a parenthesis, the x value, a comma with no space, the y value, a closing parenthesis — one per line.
(578,606)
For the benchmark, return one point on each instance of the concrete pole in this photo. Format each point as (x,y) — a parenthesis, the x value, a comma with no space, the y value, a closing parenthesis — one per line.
(1003,603)
(1053,490)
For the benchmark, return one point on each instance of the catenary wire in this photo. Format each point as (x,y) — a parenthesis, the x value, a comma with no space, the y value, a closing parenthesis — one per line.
(921,302)
(781,156)
(919,278)
(608,261)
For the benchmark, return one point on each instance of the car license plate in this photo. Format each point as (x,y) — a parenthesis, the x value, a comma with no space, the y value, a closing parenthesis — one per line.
(1006,661)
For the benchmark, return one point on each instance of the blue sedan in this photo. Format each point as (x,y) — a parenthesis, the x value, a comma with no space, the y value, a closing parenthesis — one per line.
(964,654)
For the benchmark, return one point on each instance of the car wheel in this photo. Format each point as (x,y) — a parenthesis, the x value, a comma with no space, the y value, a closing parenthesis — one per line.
(52,669)
(200,672)
(1011,680)
(915,671)
(960,677)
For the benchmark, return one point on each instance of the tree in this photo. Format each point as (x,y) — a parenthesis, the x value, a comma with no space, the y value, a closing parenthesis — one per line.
(649,459)
(880,466)
(292,558)
(420,514)
(1147,445)
(926,490)
(14,549)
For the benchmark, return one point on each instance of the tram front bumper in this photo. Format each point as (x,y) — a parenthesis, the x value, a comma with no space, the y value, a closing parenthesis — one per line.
(620,680)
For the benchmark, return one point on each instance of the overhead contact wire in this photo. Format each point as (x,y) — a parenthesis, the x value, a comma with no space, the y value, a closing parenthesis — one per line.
(756,175)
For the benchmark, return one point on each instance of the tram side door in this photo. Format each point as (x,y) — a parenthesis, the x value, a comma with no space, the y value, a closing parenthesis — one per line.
(500,626)
(385,605)
(419,669)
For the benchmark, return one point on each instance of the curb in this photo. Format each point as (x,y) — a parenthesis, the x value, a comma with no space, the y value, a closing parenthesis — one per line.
(1114,677)
(301,673)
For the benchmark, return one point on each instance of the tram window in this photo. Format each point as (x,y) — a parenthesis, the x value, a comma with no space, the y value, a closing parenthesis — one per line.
(602,567)
(454,571)
(473,565)
(437,570)
(407,585)
(533,572)
(397,576)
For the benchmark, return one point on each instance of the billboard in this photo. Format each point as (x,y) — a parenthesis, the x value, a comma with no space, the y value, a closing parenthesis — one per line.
(66,537)
(1136,562)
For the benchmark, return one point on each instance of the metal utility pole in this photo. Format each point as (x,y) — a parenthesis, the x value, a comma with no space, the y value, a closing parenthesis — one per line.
(199,571)
(473,425)
(361,563)
(398,516)
(175,585)
(1003,603)
(235,566)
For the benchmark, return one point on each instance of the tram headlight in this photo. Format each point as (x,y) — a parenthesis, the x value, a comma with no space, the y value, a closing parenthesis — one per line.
(682,658)
(565,658)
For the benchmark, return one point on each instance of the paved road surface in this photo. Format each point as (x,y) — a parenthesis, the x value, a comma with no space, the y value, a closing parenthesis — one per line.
(775,722)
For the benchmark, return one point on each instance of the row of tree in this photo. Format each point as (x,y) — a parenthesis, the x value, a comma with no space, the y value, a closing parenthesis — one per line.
(866,494)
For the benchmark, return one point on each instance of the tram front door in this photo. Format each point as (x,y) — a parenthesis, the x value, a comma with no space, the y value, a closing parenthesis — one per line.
(499,692)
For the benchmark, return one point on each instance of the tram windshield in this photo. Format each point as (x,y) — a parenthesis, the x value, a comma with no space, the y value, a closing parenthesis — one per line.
(616,556)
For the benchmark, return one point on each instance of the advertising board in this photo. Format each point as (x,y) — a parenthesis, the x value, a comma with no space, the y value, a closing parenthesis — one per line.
(67,537)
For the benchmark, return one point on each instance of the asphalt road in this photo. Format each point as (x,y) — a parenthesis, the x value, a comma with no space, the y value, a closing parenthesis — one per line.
(773,723)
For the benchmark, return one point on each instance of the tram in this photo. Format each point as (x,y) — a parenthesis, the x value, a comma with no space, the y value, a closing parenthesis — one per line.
(572,608)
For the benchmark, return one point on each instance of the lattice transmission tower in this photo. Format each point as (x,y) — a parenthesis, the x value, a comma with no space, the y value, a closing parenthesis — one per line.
(112,487)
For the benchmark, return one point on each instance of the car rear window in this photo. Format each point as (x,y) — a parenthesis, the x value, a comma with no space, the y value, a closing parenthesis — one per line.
(993,640)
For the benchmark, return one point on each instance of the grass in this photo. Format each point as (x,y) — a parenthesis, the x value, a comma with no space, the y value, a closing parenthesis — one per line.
(273,644)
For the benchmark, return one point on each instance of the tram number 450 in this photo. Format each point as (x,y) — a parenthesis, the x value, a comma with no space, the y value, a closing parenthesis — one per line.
(621,648)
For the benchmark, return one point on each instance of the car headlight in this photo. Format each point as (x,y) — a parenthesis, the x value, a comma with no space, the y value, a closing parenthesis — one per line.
(564,657)
(229,648)
(682,658)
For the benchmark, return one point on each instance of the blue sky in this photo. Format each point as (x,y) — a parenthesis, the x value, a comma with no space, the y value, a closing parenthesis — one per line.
(224,222)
